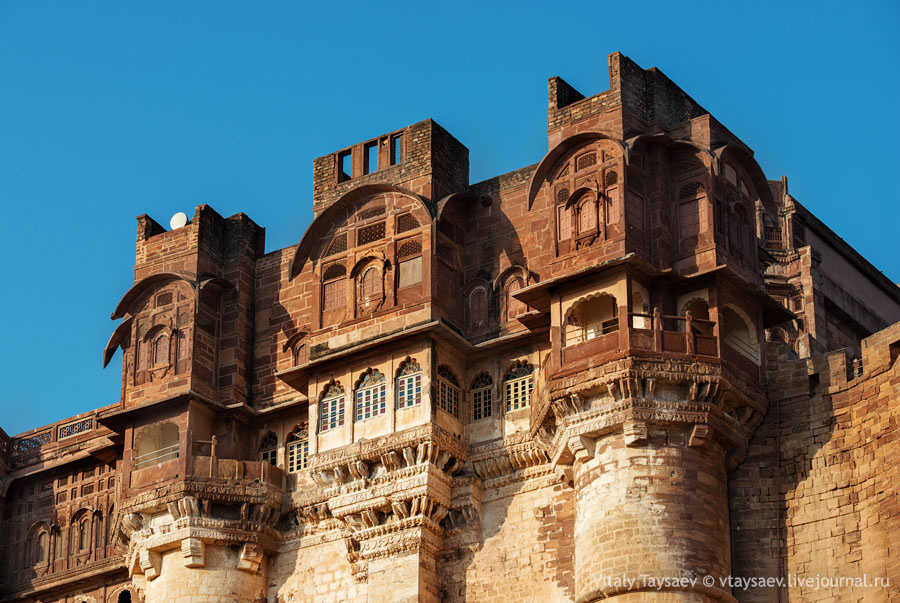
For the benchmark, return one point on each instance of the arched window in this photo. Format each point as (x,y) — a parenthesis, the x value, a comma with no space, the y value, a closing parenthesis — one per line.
(481,391)
(156,444)
(371,395)
(448,391)
(612,197)
(587,216)
(736,334)
(301,355)
(59,545)
(84,534)
(298,448)
(124,597)
(161,350)
(409,384)
(591,318)
(268,449)
(331,408)
(518,384)
(370,284)
(42,548)
(110,526)
(691,213)
(699,310)
(513,306)
(477,310)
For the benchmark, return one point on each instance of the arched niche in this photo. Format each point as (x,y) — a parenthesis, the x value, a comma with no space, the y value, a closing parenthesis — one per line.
(155,444)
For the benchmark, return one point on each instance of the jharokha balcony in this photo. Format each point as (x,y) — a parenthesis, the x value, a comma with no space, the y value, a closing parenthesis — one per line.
(655,335)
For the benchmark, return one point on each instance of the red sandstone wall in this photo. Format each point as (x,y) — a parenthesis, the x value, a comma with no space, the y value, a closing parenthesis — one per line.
(819,492)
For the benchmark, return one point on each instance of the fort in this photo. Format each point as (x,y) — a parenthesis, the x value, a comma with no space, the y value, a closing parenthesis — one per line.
(636,370)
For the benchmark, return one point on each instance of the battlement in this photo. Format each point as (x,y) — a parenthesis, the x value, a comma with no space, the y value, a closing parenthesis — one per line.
(423,158)
(200,246)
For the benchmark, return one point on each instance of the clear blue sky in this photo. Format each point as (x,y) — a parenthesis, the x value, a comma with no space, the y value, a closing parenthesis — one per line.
(113,109)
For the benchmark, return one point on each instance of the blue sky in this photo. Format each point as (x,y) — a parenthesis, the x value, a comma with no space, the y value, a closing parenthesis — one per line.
(113,109)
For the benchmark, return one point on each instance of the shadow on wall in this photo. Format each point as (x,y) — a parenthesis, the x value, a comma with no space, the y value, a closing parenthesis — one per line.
(814,494)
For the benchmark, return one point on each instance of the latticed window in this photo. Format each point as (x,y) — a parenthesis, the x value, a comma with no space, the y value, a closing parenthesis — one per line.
(298,448)
(369,234)
(43,547)
(409,384)
(84,534)
(587,217)
(338,244)
(564,223)
(369,285)
(406,222)
(586,161)
(334,295)
(161,350)
(331,408)
(268,449)
(408,248)
(518,384)
(371,394)
(448,391)
(481,389)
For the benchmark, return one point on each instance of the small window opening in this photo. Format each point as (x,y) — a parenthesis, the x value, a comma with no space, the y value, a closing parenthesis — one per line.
(124,597)
(370,163)
(396,149)
(814,385)
(344,166)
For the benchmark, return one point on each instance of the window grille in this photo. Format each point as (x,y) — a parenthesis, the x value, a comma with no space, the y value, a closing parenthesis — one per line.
(612,205)
(448,391)
(585,161)
(369,234)
(409,384)
(587,217)
(370,396)
(691,190)
(338,244)
(298,448)
(562,195)
(518,385)
(406,222)
(409,248)
(332,408)
(334,294)
(612,178)
(66,431)
(565,224)
(481,389)
(33,443)
(689,218)
(164,299)
(370,283)
(268,449)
